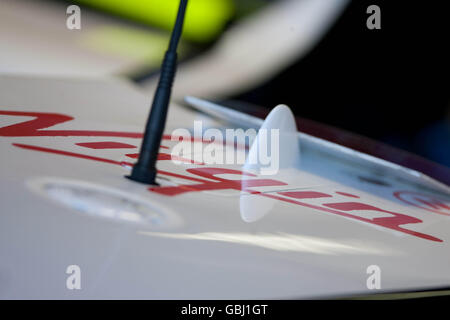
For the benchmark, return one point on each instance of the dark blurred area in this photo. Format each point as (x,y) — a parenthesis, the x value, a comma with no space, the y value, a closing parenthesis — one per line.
(389,84)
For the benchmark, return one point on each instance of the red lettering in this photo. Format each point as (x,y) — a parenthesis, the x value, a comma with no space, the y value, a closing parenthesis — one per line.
(393,222)
(209,176)
(425,202)
(33,128)
(305,194)
(218,183)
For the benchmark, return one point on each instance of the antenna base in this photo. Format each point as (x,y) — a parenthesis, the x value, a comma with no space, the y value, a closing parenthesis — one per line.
(143,175)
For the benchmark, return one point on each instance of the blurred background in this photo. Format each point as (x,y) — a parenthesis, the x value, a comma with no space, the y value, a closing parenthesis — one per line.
(317,56)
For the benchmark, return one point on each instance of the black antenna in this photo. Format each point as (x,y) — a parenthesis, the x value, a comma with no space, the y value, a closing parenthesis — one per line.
(144,170)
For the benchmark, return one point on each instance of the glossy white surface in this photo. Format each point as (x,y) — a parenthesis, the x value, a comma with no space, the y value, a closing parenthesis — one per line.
(206,248)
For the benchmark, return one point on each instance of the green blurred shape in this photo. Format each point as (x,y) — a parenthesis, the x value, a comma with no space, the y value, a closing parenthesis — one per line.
(205,19)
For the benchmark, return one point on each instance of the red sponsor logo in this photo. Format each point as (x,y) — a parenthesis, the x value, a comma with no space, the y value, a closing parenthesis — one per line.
(425,202)
(207,178)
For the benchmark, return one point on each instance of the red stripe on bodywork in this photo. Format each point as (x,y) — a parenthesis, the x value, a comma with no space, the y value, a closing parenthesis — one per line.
(105,145)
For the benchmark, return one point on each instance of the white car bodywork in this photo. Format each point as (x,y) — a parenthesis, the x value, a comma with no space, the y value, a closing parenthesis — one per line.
(65,201)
